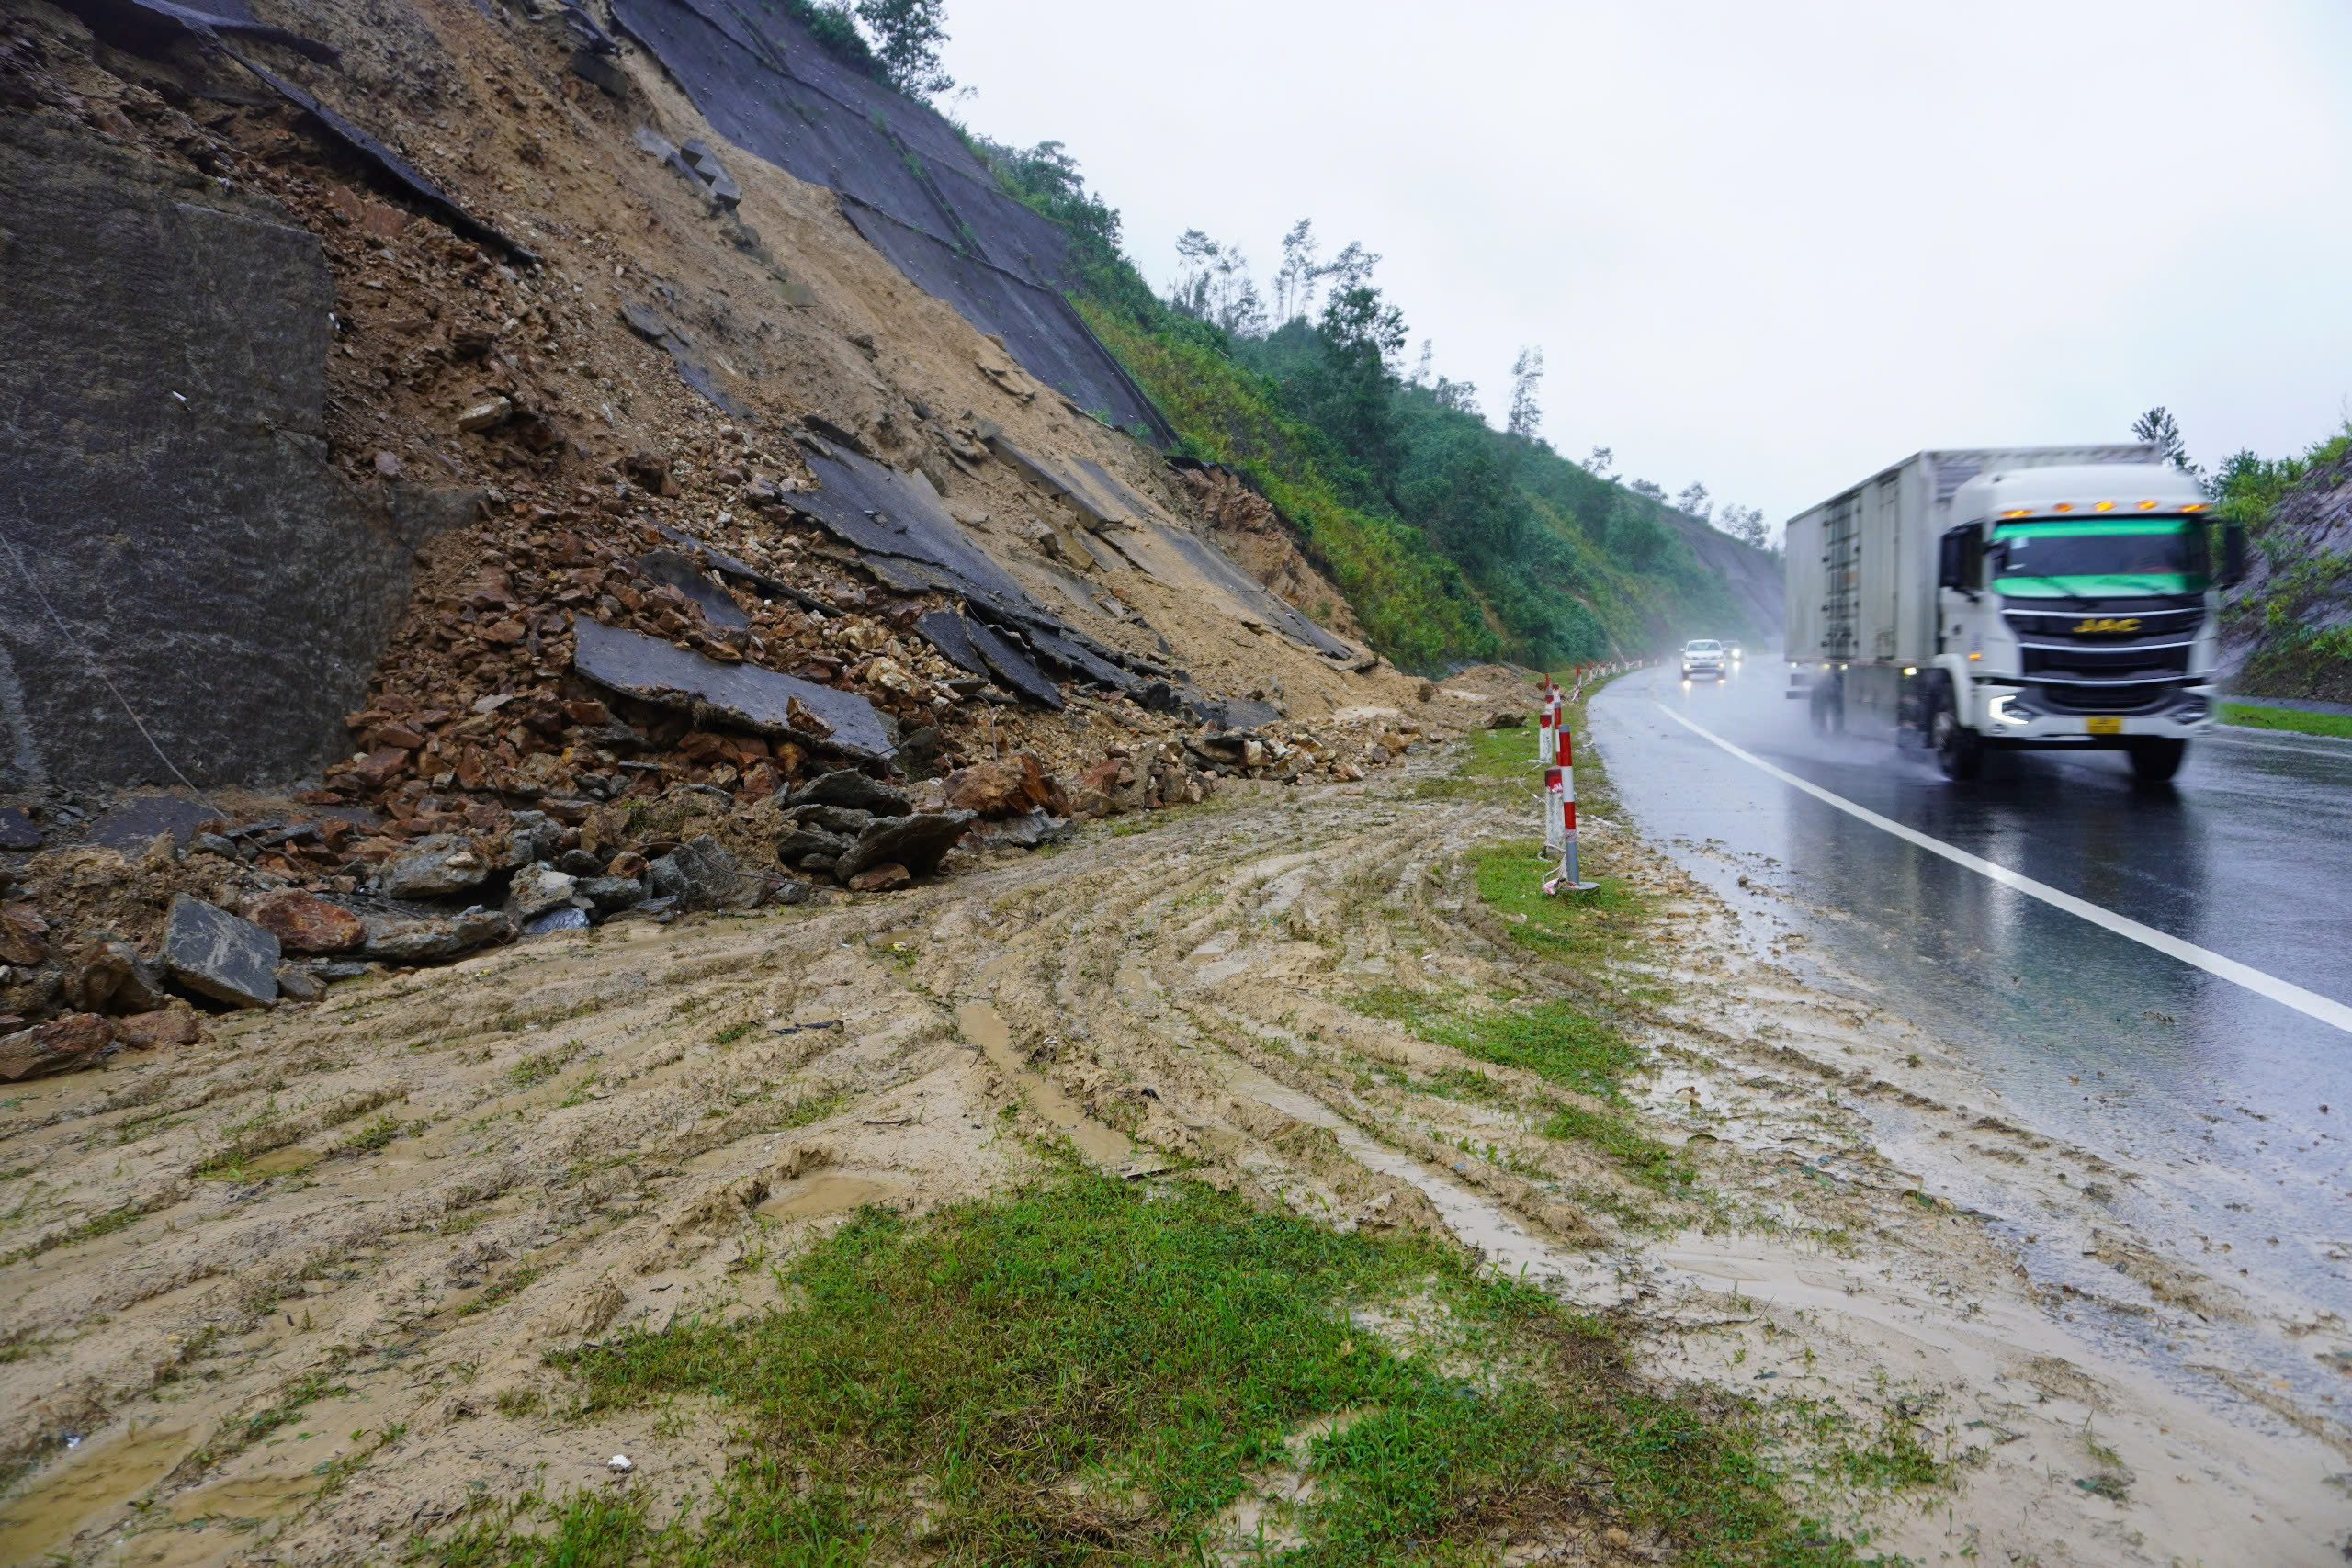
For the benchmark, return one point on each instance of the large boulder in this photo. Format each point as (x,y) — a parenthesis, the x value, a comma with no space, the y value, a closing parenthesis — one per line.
(918,842)
(701,874)
(433,867)
(117,980)
(1008,786)
(858,791)
(395,939)
(305,922)
(77,1039)
(218,955)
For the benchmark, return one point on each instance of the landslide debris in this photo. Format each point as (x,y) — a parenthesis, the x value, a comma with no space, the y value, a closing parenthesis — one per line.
(721,508)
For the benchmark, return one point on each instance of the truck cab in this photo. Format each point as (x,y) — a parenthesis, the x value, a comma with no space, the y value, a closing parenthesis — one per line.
(2077,607)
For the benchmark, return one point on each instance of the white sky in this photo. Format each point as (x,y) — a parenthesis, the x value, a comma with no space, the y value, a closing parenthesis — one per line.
(1772,248)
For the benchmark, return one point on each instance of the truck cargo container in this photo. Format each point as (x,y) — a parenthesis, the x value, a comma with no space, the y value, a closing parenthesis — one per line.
(2013,598)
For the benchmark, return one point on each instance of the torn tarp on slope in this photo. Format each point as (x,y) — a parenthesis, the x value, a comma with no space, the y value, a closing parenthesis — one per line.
(147,26)
(907,538)
(906,179)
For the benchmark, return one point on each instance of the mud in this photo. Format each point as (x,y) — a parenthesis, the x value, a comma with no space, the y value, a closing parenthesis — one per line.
(624,1126)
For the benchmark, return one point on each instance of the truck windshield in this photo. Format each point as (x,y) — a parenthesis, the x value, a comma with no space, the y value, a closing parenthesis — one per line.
(2138,556)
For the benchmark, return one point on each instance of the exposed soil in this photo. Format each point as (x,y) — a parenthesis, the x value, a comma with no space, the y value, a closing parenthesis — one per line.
(344,1236)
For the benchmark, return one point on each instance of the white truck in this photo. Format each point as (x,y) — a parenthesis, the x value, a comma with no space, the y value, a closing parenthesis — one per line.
(2018,597)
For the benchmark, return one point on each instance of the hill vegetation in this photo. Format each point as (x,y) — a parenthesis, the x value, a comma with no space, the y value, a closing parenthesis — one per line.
(1454,540)
(2291,619)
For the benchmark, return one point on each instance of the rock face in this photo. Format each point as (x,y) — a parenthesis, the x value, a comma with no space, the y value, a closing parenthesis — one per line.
(215,954)
(917,842)
(162,422)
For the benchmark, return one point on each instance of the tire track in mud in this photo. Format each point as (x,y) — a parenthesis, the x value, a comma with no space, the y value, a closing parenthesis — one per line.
(626,1126)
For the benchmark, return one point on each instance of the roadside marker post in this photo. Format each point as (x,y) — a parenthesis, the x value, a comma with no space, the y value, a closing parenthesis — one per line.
(1560,810)
(1547,723)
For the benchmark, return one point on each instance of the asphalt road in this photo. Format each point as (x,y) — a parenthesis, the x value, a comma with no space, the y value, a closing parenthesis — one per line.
(2235,1110)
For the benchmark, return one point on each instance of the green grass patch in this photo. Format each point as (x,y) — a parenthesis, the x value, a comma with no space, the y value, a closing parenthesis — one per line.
(1090,1372)
(1553,1040)
(1586,930)
(374,1136)
(1616,1134)
(234,1438)
(2256,717)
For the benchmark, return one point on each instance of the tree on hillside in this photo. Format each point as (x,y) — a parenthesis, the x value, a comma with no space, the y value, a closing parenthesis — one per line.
(1526,375)
(1420,376)
(1602,463)
(907,36)
(1294,280)
(2158,428)
(1351,268)
(1646,490)
(1745,524)
(1693,500)
(1215,285)
(1348,387)
(1460,396)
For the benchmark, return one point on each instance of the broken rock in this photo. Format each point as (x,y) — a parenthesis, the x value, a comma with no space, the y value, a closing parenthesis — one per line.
(918,842)
(305,922)
(858,791)
(146,1031)
(16,830)
(24,935)
(701,874)
(433,867)
(61,1045)
(395,940)
(118,981)
(881,878)
(534,891)
(1006,787)
(215,954)
(486,415)
(741,696)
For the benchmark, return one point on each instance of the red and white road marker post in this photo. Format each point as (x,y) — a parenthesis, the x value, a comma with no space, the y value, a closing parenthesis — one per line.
(1560,820)
(1547,723)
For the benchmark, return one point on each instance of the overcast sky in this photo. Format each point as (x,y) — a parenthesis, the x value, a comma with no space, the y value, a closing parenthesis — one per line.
(1772,248)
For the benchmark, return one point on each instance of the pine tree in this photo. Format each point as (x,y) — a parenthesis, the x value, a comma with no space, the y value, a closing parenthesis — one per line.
(1526,375)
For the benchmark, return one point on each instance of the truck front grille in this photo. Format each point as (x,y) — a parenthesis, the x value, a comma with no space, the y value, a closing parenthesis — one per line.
(2107,650)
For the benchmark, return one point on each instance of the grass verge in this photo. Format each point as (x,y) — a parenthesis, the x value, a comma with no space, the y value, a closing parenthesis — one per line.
(2256,717)
(1090,1372)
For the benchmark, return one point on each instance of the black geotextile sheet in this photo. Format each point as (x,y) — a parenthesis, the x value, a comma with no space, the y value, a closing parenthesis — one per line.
(907,182)
(899,526)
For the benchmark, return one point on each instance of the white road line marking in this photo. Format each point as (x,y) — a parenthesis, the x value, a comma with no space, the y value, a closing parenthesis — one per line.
(2311,1004)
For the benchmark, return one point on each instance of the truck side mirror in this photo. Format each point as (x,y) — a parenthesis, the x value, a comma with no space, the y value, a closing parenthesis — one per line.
(1959,560)
(2233,554)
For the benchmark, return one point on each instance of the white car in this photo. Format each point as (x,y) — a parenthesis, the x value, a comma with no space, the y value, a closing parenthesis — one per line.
(1705,656)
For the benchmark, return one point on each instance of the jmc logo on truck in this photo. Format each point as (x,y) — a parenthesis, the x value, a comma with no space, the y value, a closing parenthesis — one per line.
(2097,625)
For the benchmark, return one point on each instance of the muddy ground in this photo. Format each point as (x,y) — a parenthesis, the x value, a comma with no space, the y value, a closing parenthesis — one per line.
(286,1297)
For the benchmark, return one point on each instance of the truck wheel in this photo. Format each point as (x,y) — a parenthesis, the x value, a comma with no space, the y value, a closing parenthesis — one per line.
(1828,708)
(1959,750)
(2155,757)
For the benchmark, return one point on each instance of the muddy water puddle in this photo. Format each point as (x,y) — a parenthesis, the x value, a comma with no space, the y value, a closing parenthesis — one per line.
(832,1192)
(82,1489)
(985,1027)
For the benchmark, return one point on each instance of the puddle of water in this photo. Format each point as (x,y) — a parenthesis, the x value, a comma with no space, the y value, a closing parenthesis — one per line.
(985,1027)
(827,1194)
(84,1487)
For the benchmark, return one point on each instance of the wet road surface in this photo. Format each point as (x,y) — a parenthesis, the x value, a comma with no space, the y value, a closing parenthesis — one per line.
(2234,1109)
